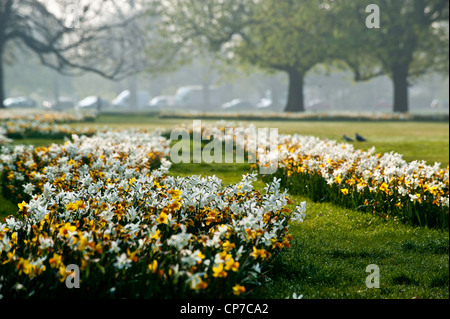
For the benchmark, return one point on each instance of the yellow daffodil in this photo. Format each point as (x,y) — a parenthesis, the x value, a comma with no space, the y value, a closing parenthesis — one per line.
(218,271)
(238,289)
(175,193)
(55,261)
(75,206)
(156,236)
(259,253)
(201,256)
(162,219)
(22,206)
(64,230)
(228,246)
(153,266)
(231,264)
(83,243)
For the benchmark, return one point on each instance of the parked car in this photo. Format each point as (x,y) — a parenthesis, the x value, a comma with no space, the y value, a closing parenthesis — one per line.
(63,103)
(20,101)
(162,101)
(123,100)
(439,104)
(264,103)
(317,105)
(238,104)
(195,97)
(92,103)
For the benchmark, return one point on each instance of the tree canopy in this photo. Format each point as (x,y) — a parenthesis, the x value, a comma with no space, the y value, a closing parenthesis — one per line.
(289,36)
(104,37)
(412,40)
(295,35)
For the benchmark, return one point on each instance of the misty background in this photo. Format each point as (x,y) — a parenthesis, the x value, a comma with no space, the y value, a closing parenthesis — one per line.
(334,91)
(207,55)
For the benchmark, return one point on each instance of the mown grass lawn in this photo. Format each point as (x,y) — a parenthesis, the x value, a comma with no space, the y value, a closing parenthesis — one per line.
(333,246)
(427,141)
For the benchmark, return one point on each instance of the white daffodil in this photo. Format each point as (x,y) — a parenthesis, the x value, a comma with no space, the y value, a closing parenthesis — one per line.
(122,262)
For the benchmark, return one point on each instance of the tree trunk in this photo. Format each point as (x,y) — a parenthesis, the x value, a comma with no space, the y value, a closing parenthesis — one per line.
(295,102)
(400,81)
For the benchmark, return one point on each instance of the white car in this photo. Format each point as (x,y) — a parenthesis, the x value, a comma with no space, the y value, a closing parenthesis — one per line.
(162,101)
(123,100)
(92,102)
(238,104)
(264,103)
(21,101)
(63,103)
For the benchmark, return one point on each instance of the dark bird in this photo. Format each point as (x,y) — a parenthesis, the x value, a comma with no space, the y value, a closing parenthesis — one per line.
(359,138)
(347,139)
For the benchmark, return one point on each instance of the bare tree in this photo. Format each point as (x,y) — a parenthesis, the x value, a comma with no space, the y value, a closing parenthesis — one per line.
(76,36)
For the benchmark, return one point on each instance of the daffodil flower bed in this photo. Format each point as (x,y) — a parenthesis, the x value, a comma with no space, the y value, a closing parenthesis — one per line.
(107,154)
(326,170)
(20,129)
(102,203)
(47,116)
(383,184)
(153,236)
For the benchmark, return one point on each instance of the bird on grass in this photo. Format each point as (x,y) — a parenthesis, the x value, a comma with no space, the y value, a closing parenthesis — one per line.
(359,138)
(347,139)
